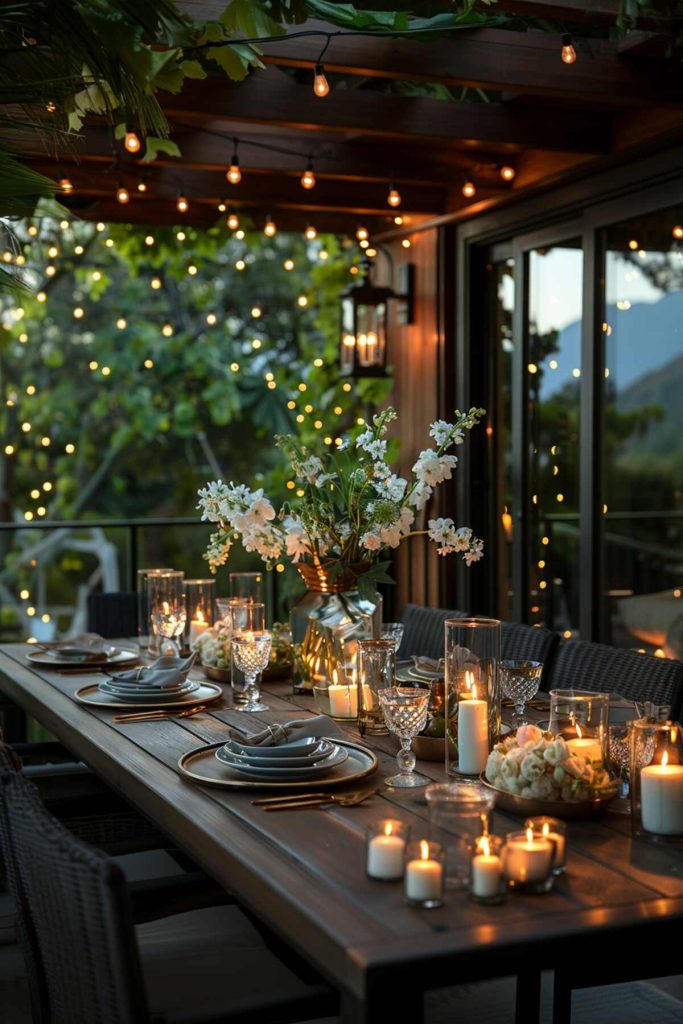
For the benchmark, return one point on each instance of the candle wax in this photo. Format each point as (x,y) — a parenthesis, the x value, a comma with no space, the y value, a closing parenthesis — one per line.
(486,872)
(385,857)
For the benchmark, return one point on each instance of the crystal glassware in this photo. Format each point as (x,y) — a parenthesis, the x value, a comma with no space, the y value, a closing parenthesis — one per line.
(519,681)
(393,631)
(405,713)
(376,668)
(169,626)
(472,694)
(251,653)
(244,616)
(619,756)
(247,585)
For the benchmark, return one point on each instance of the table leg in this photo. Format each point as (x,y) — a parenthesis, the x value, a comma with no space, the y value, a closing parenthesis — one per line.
(528,997)
(383,1004)
(562,999)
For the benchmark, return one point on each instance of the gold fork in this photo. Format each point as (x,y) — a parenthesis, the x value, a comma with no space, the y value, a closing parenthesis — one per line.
(314,800)
(155,716)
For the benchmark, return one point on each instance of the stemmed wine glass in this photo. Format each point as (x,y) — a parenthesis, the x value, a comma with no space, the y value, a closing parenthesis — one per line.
(251,653)
(520,680)
(169,625)
(405,713)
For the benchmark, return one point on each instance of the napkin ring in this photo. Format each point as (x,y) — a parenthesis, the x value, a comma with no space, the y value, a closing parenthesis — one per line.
(276,739)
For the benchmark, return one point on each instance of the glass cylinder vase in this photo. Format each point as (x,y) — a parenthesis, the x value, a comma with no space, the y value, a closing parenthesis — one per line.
(376,671)
(164,595)
(582,719)
(327,622)
(144,622)
(200,604)
(472,694)
(657,781)
(247,586)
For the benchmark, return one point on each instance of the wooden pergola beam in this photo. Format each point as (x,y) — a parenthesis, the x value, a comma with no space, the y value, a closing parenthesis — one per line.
(269,98)
(495,59)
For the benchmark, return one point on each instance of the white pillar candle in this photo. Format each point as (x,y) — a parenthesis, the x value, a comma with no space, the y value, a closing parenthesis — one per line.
(486,871)
(343,701)
(661,794)
(528,860)
(585,746)
(197,627)
(424,877)
(385,855)
(473,733)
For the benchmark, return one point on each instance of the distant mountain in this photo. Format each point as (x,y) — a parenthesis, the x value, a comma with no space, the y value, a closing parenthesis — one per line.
(661,446)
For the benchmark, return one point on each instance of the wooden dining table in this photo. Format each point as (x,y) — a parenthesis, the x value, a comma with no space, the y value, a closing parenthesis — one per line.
(615,915)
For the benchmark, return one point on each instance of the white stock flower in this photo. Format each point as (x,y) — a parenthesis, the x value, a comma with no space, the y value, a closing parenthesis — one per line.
(442,531)
(392,487)
(475,553)
(363,439)
(432,468)
(296,540)
(376,450)
(394,534)
(420,495)
(440,430)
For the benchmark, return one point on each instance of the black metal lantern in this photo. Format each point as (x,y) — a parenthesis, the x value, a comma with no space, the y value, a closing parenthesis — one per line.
(363,341)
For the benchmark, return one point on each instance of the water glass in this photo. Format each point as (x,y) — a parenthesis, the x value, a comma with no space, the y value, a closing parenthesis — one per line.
(405,713)
(243,617)
(520,680)
(251,653)
(376,668)
(393,631)
(459,812)
(247,585)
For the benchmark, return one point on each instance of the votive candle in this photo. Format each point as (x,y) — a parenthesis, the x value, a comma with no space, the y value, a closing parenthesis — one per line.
(424,874)
(386,850)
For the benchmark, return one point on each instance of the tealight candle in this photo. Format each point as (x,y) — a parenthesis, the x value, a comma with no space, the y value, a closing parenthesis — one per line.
(386,849)
(424,874)
(661,789)
(528,861)
(198,626)
(473,730)
(556,832)
(585,746)
(486,876)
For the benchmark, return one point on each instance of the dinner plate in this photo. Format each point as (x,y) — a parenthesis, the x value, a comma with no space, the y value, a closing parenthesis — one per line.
(305,746)
(283,774)
(144,696)
(49,660)
(282,762)
(204,694)
(202,766)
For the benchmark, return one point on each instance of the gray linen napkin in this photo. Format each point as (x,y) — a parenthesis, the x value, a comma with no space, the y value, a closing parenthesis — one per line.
(285,732)
(85,643)
(167,673)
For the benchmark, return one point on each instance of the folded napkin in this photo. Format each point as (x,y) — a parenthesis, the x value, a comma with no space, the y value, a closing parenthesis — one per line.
(286,732)
(423,664)
(167,673)
(84,643)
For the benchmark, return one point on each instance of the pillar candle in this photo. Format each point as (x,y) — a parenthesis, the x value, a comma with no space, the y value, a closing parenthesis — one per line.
(486,871)
(585,746)
(473,734)
(661,794)
(343,701)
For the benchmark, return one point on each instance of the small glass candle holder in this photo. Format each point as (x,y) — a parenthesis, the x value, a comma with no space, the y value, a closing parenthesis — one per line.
(488,883)
(581,718)
(529,862)
(458,813)
(386,849)
(164,600)
(424,877)
(657,781)
(376,668)
(472,688)
(556,831)
(144,621)
(200,604)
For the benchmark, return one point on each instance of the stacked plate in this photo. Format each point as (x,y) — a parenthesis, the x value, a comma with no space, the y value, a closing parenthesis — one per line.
(307,758)
(142,691)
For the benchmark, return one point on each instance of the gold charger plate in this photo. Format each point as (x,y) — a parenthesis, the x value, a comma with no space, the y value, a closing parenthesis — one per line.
(529,807)
(201,765)
(91,695)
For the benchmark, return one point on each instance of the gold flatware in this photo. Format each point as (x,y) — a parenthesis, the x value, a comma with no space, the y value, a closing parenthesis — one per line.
(314,800)
(155,716)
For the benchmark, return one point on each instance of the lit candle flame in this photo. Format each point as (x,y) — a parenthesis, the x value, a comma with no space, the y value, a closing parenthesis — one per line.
(469,679)
(424,849)
(474,691)
(529,835)
(335,677)
(578,730)
(198,615)
(665,759)
(166,608)
(546,829)
(484,846)
(388,828)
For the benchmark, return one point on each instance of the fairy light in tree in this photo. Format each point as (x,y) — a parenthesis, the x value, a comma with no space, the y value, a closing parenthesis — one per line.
(35,493)
(269,228)
(393,196)
(291,404)
(300,418)
(568,51)
(240,265)
(41,297)
(131,141)
(41,510)
(362,234)
(318,362)
(32,230)
(9,449)
(211,319)
(302,301)
(31,389)
(93,365)
(28,516)
(21,260)
(256,343)
(148,364)
(371,253)
(323,254)
(239,234)
(155,283)
(53,252)
(70,448)
(678,231)
(308,177)
(321,86)
(122,193)
(46,441)
(507,172)
(469,188)
(96,275)
(149,239)
(23,338)
(288,264)
(235,367)
(181,204)
(122,323)
(364,244)
(50,270)
(398,219)
(222,206)
(256,312)
(100,226)
(181,236)
(167,330)
(78,312)
(192,270)
(311,233)
(78,250)
(406,243)
(233,221)
(142,185)
(318,424)
(234,174)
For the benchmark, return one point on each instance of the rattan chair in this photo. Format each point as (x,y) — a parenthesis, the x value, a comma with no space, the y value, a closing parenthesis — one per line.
(424,630)
(581,665)
(88,964)
(533,643)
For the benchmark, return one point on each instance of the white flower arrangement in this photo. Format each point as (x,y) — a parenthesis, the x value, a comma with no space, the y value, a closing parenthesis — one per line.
(536,764)
(353,506)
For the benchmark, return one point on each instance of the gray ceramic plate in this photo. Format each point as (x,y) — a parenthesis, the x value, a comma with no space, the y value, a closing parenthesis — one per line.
(204,694)
(336,757)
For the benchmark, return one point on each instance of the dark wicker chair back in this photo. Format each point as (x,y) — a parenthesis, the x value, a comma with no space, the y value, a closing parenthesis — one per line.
(78,917)
(533,643)
(424,631)
(586,666)
(114,614)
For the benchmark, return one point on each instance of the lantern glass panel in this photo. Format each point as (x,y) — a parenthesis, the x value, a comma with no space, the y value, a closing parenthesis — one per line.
(371,334)
(348,336)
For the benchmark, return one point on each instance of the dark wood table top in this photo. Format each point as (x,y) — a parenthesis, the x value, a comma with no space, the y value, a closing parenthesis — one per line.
(303,872)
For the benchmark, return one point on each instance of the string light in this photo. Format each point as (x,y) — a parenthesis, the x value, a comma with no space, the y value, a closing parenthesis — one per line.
(65,184)
(149,239)
(131,142)
(50,270)
(122,323)
(181,204)
(234,367)
(46,442)
(41,297)
(78,312)
(167,330)
(122,193)
(321,86)
(240,265)
(192,270)
(222,206)
(256,312)
(96,275)
(678,231)
(211,319)
(269,228)
(70,448)
(100,226)
(256,343)
(398,219)
(148,364)
(308,177)
(406,243)
(364,244)
(469,188)
(507,172)
(142,185)
(318,362)
(181,236)
(33,230)
(302,301)
(362,234)
(155,283)
(288,264)
(394,196)
(568,51)
(234,174)
(233,221)
(311,233)
(239,234)
(106,370)
(53,252)
(78,250)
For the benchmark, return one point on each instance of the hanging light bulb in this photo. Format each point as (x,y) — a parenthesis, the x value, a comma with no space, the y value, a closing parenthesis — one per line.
(394,196)
(234,174)
(568,51)
(677,231)
(362,234)
(181,204)
(233,221)
(222,206)
(131,142)
(507,172)
(142,185)
(321,86)
(308,177)
(269,228)
(65,183)
(311,233)
(469,188)
(122,193)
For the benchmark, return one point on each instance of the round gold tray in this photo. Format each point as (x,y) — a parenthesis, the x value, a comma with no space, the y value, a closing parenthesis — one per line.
(528,807)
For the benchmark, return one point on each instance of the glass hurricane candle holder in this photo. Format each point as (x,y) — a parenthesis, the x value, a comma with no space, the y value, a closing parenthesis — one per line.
(164,599)
(529,862)
(200,606)
(144,620)
(487,876)
(472,689)
(169,627)
(556,831)
(251,653)
(376,668)
(657,781)
(385,849)
(424,874)
(581,718)
(458,813)
(247,585)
